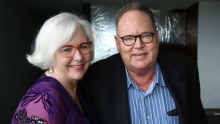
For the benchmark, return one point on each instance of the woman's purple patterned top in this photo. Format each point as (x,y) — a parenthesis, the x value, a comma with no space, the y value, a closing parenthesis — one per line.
(47,102)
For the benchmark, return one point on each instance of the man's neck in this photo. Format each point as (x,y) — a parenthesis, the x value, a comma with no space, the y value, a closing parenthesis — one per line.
(142,79)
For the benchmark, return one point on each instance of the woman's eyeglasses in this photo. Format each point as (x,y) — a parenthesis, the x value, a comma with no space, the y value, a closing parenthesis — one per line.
(68,51)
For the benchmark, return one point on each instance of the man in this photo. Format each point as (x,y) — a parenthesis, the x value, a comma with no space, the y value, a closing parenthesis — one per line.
(141,85)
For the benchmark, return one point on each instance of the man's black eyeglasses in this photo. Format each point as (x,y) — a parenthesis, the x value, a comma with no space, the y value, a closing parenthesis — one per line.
(145,38)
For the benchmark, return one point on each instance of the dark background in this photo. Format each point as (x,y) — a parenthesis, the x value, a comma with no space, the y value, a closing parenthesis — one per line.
(18,27)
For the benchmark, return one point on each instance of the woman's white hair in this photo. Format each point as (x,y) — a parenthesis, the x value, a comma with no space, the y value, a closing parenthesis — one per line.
(56,32)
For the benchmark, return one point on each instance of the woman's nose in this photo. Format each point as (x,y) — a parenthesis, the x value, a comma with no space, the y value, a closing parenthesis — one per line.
(78,55)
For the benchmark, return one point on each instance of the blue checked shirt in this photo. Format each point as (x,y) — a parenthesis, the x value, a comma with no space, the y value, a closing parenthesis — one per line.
(151,107)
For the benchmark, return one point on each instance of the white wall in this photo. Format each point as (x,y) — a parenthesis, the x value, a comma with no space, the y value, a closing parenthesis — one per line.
(209,53)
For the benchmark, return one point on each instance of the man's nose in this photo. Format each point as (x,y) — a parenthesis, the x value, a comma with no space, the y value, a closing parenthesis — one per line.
(138,43)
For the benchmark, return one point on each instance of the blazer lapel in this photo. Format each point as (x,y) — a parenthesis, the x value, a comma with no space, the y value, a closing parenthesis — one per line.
(174,83)
(176,86)
(120,106)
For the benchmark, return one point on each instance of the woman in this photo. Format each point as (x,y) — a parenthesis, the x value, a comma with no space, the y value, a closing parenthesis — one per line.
(64,49)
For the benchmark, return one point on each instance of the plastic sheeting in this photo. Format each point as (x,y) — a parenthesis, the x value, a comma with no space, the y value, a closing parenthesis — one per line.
(170,25)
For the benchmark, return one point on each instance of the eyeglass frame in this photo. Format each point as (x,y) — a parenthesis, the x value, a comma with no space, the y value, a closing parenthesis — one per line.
(76,48)
(135,38)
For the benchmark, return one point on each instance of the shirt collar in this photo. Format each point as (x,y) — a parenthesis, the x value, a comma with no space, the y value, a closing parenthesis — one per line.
(158,78)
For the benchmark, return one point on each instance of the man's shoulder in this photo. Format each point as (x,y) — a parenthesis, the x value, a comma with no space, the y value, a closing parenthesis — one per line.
(107,66)
(171,59)
(174,56)
(109,61)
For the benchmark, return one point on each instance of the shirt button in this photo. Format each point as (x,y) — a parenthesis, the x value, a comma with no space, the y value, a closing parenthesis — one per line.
(148,117)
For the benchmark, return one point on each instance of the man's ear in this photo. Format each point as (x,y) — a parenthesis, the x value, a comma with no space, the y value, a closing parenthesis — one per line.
(117,42)
(157,37)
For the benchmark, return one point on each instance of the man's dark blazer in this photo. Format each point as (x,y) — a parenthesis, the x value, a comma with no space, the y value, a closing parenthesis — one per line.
(104,89)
